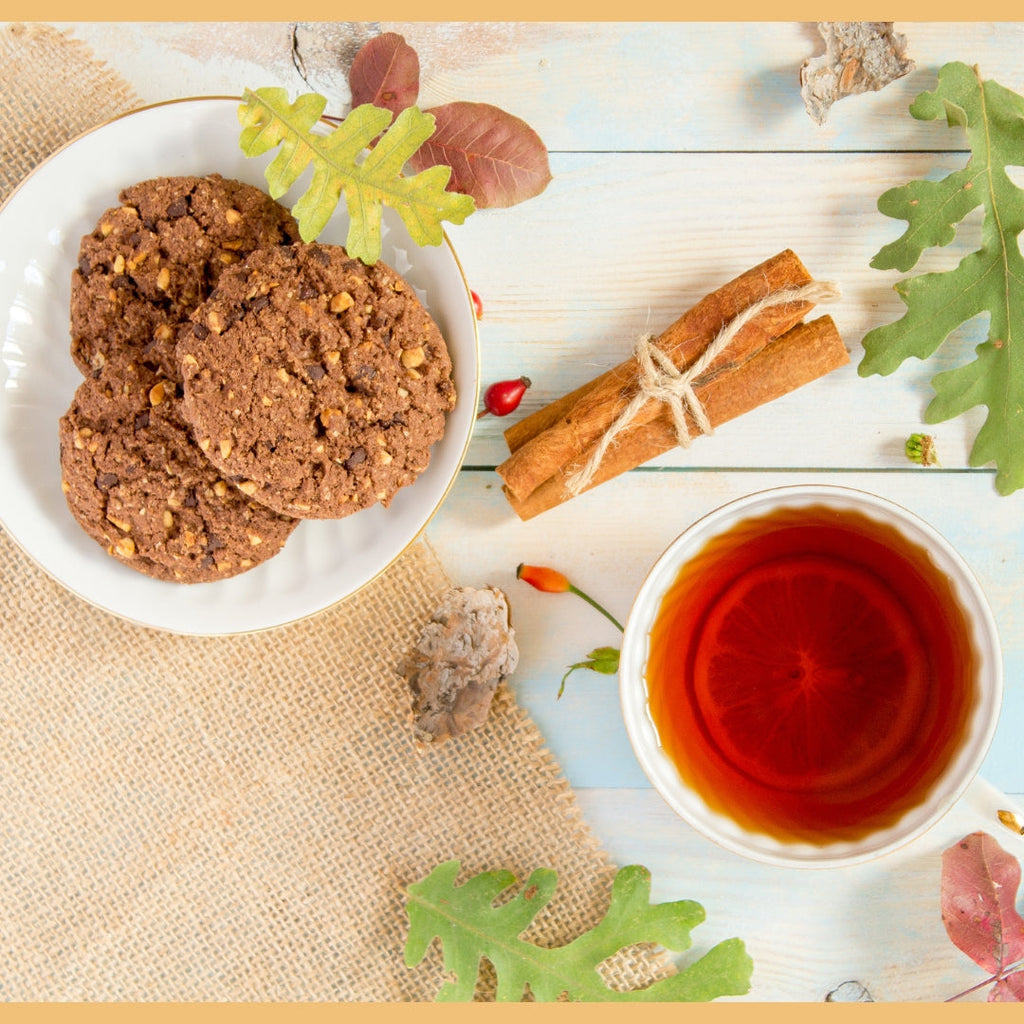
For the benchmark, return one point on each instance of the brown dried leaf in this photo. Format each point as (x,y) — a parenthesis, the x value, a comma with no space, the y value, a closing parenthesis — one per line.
(386,73)
(466,649)
(1011,821)
(860,56)
(495,157)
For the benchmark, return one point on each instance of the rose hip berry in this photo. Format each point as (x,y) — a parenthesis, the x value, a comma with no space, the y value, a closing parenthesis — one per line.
(504,396)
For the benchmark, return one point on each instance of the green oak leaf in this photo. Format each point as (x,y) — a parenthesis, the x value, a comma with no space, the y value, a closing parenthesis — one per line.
(269,120)
(472,927)
(601,659)
(988,280)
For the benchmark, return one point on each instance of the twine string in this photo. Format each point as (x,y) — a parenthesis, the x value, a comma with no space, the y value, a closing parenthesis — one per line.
(658,378)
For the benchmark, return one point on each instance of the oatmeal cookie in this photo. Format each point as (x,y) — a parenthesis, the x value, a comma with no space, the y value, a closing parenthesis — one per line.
(150,262)
(315,382)
(140,487)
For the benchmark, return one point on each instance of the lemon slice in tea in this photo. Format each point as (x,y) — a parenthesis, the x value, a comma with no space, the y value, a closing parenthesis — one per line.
(809,674)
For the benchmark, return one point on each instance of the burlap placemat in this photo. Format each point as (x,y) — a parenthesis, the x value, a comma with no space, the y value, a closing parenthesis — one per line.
(53,89)
(236,818)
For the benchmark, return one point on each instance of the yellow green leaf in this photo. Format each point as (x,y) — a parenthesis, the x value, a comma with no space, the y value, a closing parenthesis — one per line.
(369,182)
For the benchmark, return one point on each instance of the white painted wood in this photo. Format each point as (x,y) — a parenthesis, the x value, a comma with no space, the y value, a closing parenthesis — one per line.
(809,931)
(620,244)
(623,242)
(584,86)
(695,87)
(606,541)
(682,155)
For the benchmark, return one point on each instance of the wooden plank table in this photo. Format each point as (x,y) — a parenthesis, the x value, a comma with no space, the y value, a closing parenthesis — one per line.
(682,155)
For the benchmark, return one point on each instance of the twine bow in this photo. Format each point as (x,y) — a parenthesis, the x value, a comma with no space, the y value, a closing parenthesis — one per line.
(660,379)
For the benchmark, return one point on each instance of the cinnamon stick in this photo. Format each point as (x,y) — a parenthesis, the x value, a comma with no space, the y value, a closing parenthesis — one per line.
(541,444)
(803,354)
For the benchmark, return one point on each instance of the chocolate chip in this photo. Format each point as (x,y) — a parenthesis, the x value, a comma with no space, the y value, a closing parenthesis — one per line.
(201,331)
(142,420)
(190,500)
(357,458)
(213,543)
(120,281)
(307,291)
(178,208)
(84,267)
(362,377)
(315,371)
(321,256)
(107,480)
(260,302)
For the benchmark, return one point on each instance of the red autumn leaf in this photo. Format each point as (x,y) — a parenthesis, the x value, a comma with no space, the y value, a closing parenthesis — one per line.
(1009,989)
(386,73)
(495,157)
(979,891)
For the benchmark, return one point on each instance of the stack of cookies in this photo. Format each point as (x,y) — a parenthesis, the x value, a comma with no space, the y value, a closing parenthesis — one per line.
(237,381)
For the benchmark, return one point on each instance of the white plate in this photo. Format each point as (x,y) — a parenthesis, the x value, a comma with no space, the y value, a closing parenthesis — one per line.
(40,229)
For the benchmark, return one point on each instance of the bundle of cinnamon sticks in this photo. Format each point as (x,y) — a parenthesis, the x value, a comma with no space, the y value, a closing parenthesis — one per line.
(773,353)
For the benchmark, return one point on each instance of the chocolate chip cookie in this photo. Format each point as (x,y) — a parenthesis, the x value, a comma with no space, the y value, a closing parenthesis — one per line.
(140,487)
(317,383)
(150,261)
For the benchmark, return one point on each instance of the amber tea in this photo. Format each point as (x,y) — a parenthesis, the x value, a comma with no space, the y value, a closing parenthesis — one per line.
(811,673)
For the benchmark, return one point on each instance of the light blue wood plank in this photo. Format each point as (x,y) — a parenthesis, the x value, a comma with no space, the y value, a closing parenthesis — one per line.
(808,931)
(625,243)
(584,86)
(692,86)
(606,541)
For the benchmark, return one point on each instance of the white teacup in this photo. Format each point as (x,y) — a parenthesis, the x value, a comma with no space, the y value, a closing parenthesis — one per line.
(953,777)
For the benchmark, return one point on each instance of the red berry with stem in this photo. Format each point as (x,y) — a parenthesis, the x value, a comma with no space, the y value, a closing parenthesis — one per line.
(551,581)
(504,396)
(602,659)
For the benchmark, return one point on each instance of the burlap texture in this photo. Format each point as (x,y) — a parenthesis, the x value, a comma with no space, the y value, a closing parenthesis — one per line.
(236,818)
(52,90)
